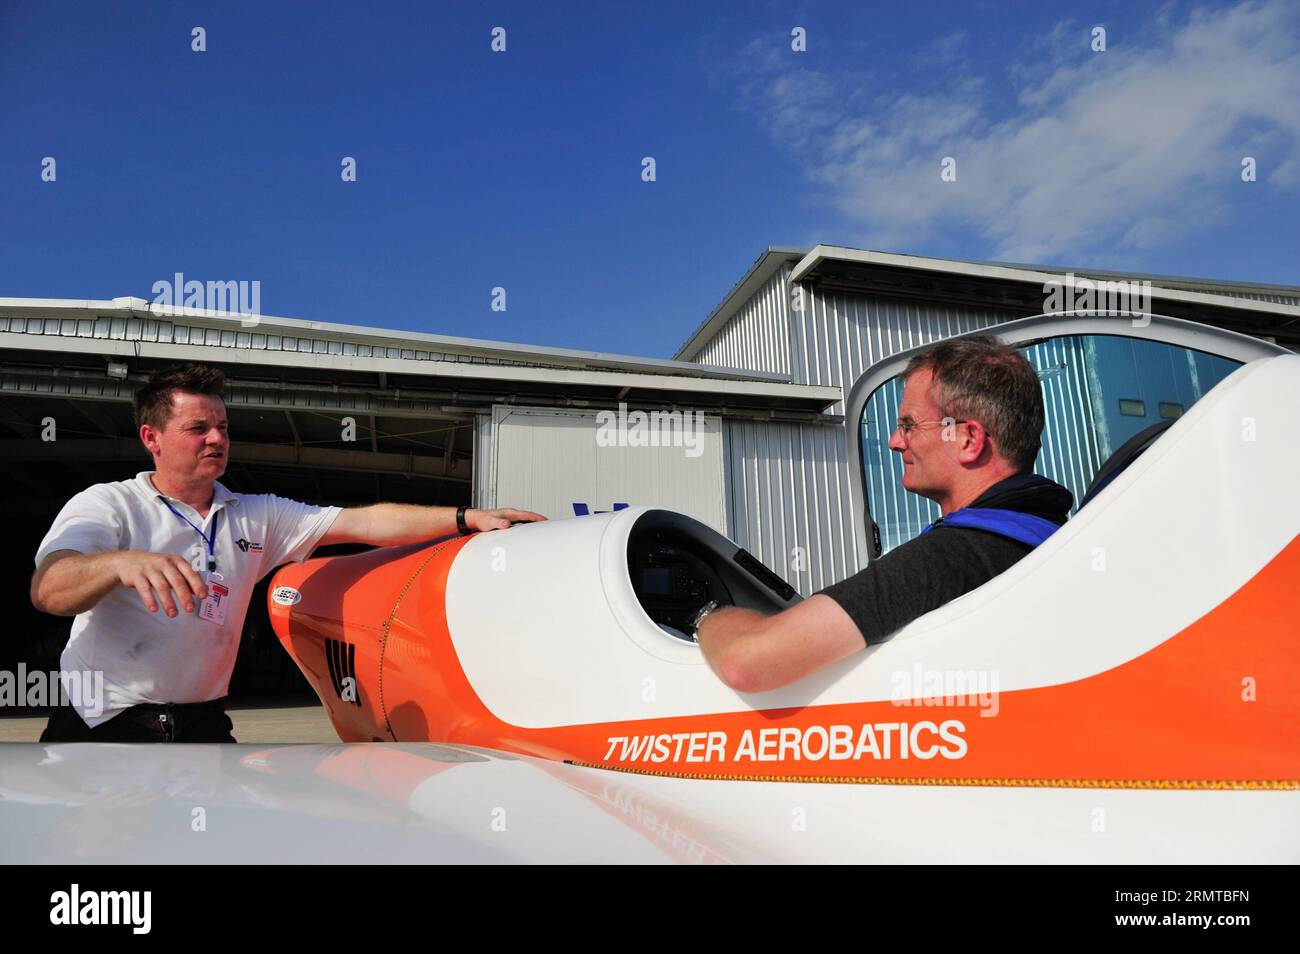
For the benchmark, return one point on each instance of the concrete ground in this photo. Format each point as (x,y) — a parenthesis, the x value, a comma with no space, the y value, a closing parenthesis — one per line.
(259,721)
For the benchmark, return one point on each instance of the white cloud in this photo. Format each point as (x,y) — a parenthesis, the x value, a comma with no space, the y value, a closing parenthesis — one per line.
(1090,152)
(945,49)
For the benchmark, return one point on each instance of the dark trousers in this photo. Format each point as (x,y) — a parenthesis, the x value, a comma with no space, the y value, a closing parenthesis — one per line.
(151,722)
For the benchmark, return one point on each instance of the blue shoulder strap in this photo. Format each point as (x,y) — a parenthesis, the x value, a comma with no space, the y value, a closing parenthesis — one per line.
(1022,527)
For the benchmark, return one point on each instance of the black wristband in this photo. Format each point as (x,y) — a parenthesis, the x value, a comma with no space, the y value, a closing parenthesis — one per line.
(461,525)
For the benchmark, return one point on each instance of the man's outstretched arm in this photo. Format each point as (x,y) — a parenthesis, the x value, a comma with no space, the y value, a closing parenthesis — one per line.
(395,525)
(751,652)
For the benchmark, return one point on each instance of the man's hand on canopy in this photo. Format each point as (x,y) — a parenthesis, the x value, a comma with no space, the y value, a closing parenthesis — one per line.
(499,519)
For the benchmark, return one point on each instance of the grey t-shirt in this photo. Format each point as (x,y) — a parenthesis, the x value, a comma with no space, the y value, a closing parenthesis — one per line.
(937,567)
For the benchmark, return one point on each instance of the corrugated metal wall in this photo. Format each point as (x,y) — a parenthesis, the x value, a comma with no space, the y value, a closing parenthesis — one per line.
(1071,451)
(789,500)
(757,337)
(837,337)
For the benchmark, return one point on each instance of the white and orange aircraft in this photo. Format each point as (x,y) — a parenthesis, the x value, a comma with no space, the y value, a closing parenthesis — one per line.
(1145,704)
(1148,648)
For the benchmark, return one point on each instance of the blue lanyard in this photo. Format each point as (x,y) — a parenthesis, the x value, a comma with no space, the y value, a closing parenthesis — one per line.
(209,540)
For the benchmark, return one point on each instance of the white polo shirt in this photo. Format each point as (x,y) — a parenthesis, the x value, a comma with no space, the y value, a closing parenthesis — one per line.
(151,657)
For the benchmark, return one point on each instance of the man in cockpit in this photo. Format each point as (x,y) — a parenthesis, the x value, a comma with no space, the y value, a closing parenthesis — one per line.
(969,429)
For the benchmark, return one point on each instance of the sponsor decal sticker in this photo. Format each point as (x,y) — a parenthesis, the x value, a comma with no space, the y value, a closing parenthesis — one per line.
(286,596)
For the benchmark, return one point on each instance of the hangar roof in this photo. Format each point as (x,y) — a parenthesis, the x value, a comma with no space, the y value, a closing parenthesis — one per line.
(463,371)
(1265,310)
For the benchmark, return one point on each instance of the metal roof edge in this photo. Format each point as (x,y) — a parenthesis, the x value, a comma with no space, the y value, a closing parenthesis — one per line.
(509,351)
(764,267)
(773,393)
(1170,281)
(1030,275)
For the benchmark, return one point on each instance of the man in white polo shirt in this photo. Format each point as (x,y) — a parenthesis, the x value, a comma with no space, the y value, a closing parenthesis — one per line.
(159,570)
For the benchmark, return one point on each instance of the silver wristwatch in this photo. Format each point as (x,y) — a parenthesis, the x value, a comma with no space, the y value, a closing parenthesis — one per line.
(698,618)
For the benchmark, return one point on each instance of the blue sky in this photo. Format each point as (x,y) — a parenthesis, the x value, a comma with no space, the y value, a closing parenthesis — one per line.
(522,169)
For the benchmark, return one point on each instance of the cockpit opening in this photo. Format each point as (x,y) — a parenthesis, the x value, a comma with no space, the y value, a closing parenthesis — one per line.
(678,564)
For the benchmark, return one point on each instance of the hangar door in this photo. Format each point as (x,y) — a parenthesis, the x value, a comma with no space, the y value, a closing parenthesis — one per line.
(566,463)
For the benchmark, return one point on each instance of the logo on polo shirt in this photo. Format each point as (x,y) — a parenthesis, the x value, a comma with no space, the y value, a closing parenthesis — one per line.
(246,545)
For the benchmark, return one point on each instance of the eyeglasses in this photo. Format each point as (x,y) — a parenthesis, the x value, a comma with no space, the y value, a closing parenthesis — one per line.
(906,427)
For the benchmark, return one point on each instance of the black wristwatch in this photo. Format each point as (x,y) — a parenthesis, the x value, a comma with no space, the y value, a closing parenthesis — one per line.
(461,525)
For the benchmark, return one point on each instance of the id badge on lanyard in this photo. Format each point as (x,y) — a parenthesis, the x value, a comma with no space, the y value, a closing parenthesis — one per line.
(212,609)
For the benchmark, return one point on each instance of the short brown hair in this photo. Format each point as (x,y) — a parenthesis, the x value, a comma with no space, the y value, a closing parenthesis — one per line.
(980,378)
(153,402)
